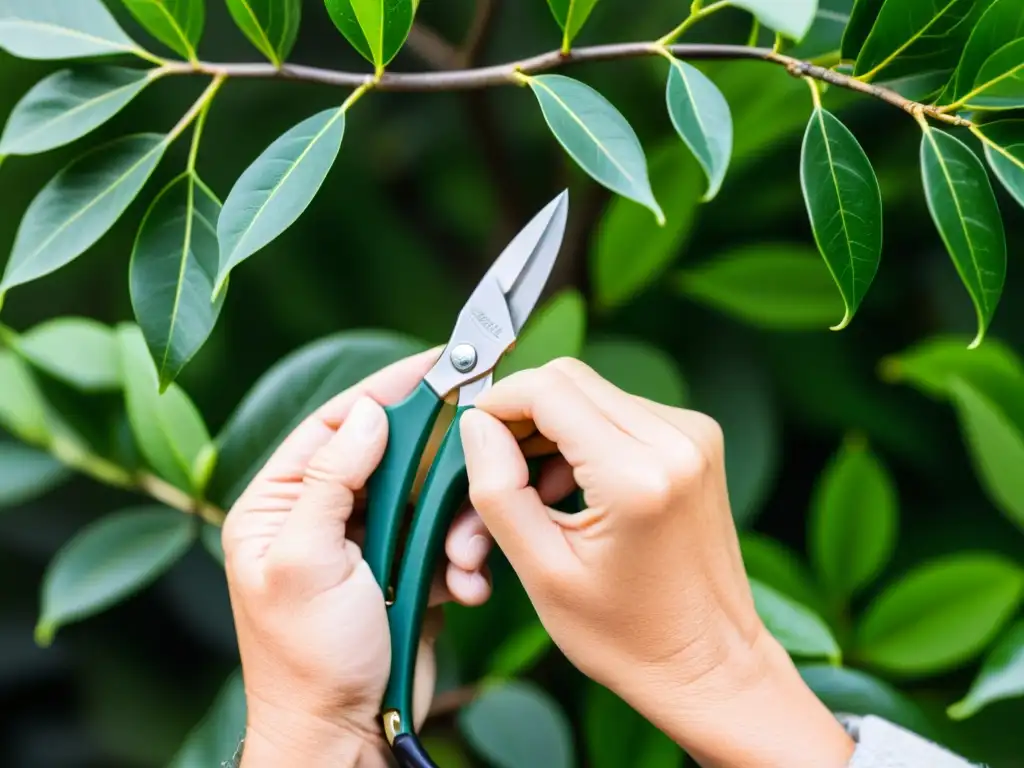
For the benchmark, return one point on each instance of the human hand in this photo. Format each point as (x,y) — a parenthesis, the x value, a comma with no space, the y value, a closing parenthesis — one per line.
(645,590)
(310,618)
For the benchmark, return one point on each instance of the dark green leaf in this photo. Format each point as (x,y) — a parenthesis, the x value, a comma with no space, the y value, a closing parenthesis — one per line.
(23,411)
(862,19)
(1000,83)
(571,15)
(109,560)
(798,629)
(638,368)
(941,614)
(773,286)
(274,191)
(520,652)
(1001,676)
(618,736)
(597,136)
(376,28)
(844,203)
(271,25)
(26,474)
(933,364)
(518,725)
(211,538)
(292,389)
(178,24)
(964,209)
(556,329)
(1001,23)
(771,563)
(702,118)
(45,29)
(76,350)
(854,520)
(1004,150)
(922,87)
(172,272)
(69,104)
(216,739)
(792,19)
(826,33)
(79,205)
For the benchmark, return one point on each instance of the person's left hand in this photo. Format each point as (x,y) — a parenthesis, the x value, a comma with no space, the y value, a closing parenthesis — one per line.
(310,618)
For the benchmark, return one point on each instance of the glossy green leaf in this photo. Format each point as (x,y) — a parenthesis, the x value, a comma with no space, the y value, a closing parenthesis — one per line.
(57,29)
(178,24)
(69,104)
(772,286)
(702,118)
(1001,676)
(798,629)
(168,428)
(76,350)
(274,191)
(932,365)
(771,563)
(923,87)
(376,28)
(596,136)
(1000,83)
(1000,24)
(557,328)
(941,614)
(518,725)
(172,273)
(216,738)
(79,205)
(289,391)
(520,652)
(964,209)
(23,411)
(862,19)
(1004,150)
(844,203)
(792,18)
(109,560)
(571,15)
(211,538)
(853,521)
(826,33)
(271,25)
(638,368)
(617,735)
(26,473)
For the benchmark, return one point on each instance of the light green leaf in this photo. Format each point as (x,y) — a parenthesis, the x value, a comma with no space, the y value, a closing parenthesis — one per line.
(520,652)
(1001,676)
(23,411)
(792,18)
(1000,24)
(178,24)
(638,368)
(69,104)
(932,365)
(79,205)
(798,629)
(773,286)
(941,614)
(771,563)
(168,428)
(853,521)
(271,25)
(57,29)
(215,739)
(26,474)
(274,191)
(76,350)
(702,118)
(556,329)
(826,33)
(862,19)
(844,203)
(518,725)
(110,559)
(172,272)
(596,136)
(964,209)
(1000,83)
(617,735)
(376,28)
(1004,150)
(571,15)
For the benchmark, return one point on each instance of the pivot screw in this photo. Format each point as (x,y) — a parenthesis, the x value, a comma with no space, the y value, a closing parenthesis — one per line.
(464,357)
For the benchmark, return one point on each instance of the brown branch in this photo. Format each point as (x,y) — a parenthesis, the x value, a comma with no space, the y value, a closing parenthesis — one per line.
(476,36)
(432,48)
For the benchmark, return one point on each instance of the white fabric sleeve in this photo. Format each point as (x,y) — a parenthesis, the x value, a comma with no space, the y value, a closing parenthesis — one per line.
(880,744)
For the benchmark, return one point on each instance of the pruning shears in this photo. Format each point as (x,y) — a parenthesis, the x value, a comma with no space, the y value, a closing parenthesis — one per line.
(486,329)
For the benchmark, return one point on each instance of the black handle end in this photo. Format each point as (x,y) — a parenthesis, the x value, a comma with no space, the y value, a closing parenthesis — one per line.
(410,753)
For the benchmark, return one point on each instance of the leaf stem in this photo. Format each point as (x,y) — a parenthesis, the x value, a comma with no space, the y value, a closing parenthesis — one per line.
(696,14)
(197,134)
(357,94)
(199,106)
(755,32)
(815,91)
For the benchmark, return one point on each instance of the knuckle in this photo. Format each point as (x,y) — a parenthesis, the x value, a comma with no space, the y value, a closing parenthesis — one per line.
(569,366)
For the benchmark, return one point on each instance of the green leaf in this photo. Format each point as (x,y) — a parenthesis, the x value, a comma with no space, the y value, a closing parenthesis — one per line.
(826,33)
(79,205)
(288,392)
(862,19)
(48,30)
(596,136)
(941,614)
(23,411)
(215,739)
(172,272)
(922,87)
(1000,83)
(853,521)
(76,350)
(376,28)
(932,365)
(556,329)
(446,751)
(792,18)
(26,474)
(168,428)
(964,209)
(518,725)
(211,538)
(271,25)
(274,191)
(617,735)
(1000,24)
(68,105)
(638,368)
(109,560)
(844,203)
(178,24)
(771,563)
(777,286)
(1004,150)
(520,652)
(571,15)
(798,629)
(702,118)
(1001,676)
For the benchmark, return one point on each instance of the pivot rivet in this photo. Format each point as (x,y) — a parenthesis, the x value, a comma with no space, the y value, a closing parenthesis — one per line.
(463,357)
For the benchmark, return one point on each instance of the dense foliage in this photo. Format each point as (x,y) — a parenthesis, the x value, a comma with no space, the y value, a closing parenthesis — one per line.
(719,236)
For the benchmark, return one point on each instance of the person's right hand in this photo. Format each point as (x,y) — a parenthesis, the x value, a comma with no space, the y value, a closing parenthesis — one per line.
(644,590)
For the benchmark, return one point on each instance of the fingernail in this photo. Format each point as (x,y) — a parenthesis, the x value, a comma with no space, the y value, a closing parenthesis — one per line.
(476,551)
(363,418)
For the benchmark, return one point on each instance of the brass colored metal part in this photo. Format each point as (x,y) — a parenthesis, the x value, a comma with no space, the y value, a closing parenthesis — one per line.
(389,598)
(392,724)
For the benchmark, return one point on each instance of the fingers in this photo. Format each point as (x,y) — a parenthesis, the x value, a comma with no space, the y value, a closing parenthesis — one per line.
(468,542)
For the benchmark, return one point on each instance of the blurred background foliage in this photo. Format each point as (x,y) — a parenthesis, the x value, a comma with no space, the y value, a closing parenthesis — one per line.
(426,190)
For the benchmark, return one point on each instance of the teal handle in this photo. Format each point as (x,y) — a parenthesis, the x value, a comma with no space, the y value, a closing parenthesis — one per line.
(409,426)
(444,491)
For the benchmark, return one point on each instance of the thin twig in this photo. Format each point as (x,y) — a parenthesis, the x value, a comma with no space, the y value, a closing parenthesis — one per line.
(476,36)
(432,48)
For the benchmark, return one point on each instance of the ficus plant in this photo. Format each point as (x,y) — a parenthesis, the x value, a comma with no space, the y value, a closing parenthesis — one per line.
(107,401)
